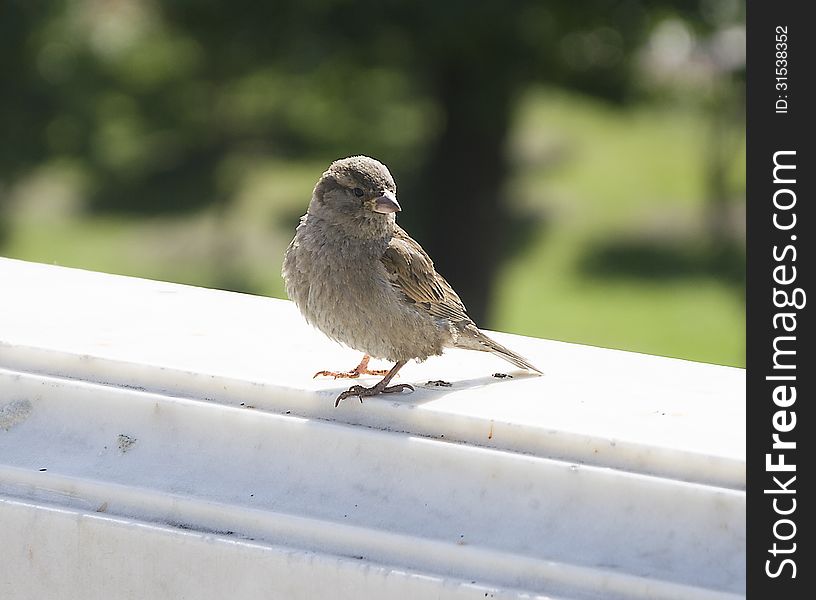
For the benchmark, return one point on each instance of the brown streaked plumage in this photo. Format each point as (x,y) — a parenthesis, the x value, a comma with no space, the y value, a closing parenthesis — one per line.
(361,279)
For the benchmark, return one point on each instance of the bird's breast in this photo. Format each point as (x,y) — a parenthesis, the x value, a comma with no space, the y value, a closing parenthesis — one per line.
(342,288)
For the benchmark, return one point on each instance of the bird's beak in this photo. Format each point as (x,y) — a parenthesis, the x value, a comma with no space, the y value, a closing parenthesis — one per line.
(386,203)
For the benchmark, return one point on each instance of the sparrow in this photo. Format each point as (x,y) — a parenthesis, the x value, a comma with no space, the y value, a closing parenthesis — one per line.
(358,277)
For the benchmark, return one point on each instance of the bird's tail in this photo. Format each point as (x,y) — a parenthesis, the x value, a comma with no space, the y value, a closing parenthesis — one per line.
(490,345)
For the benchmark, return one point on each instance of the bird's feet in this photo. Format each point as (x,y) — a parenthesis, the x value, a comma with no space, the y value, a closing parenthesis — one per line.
(380,388)
(353,374)
(361,369)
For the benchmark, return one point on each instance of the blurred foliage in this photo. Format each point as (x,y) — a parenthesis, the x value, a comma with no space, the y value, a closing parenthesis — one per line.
(180,140)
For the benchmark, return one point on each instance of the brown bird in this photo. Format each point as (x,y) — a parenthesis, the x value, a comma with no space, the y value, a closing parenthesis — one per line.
(359,277)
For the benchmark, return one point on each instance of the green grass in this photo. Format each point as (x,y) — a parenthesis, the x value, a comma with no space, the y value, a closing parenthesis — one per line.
(698,319)
(616,174)
(593,174)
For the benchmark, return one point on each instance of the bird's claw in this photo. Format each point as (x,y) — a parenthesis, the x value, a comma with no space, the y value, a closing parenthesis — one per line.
(397,388)
(355,390)
(337,374)
(377,372)
(360,391)
(353,374)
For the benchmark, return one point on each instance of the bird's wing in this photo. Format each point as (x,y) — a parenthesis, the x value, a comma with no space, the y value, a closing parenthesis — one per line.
(412,272)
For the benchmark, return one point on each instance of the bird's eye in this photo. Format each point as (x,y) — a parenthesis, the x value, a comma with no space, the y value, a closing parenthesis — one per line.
(358,192)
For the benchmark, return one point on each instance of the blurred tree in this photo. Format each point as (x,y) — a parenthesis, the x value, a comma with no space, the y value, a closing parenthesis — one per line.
(466,61)
(154,100)
(698,59)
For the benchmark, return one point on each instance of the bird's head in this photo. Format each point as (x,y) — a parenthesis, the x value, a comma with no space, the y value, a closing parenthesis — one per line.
(358,188)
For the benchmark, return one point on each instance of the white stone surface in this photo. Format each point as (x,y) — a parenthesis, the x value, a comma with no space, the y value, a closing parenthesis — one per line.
(174,435)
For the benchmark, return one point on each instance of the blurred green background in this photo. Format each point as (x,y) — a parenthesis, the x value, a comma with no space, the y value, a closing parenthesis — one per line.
(576,169)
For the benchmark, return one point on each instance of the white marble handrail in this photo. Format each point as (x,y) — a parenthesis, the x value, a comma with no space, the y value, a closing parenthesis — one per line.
(166,441)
